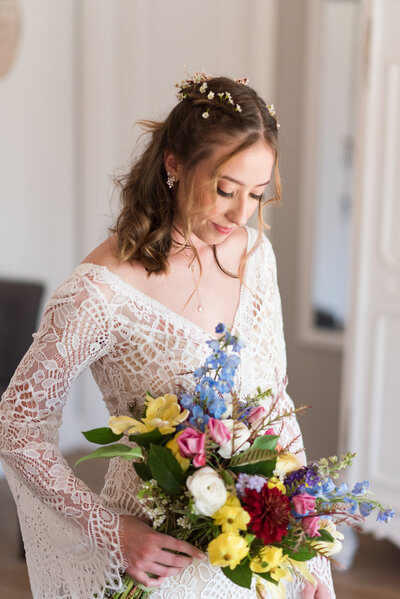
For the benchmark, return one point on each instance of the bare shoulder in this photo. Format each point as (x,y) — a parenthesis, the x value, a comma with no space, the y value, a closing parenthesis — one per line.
(105,254)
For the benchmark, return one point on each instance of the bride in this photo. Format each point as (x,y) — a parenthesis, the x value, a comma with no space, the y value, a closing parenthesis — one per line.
(138,311)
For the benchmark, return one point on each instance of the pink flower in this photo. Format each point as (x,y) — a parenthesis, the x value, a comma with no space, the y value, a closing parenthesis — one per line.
(311,525)
(257,415)
(191,445)
(218,431)
(269,431)
(303,503)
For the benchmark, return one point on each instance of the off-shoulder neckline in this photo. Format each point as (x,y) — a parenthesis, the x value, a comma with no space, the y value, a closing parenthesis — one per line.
(161,308)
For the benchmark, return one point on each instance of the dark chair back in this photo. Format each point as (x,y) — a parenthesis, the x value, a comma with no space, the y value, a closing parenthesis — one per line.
(19,306)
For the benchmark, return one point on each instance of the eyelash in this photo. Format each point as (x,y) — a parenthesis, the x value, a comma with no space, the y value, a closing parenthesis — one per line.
(224,194)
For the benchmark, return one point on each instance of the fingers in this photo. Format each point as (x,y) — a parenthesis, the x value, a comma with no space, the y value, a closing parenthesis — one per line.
(144,578)
(171,559)
(168,542)
(308,591)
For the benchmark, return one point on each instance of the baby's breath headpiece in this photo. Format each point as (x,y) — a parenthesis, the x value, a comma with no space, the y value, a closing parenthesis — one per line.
(201,80)
(272,112)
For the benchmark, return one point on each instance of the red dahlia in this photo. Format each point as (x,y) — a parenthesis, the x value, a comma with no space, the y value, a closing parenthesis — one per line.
(269,511)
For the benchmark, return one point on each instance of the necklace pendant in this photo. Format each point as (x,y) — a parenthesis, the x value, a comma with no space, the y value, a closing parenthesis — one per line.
(200,308)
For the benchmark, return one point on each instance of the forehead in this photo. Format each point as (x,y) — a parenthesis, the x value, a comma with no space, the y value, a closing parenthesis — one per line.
(254,162)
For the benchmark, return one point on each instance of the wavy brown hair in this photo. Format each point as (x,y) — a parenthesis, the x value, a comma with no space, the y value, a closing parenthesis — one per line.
(147,219)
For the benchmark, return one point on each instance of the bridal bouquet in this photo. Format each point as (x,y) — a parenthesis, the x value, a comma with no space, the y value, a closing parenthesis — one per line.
(215,474)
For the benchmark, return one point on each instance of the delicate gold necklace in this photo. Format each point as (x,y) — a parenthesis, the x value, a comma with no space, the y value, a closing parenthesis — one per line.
(200,307)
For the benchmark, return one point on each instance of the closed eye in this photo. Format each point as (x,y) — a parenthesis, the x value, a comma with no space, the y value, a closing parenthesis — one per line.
(256,197)
(225,194)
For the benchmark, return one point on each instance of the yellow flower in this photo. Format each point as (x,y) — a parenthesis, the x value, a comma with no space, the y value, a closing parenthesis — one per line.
(268,558)
(329,547)
(228,549)
(286,462)
(174,447)
(274,482)
(231,516)
(163,413)
(119,424)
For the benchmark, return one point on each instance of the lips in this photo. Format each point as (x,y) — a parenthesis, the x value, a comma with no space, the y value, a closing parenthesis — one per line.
(223,230)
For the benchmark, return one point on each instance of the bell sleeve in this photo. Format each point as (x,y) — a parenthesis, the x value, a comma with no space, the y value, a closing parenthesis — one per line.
(71,540)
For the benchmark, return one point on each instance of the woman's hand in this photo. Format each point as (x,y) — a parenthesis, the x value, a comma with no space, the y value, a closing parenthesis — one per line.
(319,591)
(144,549)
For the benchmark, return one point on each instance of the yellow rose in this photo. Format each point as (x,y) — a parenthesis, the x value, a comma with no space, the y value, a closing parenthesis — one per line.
(231,516)
(174,447)
(228,549)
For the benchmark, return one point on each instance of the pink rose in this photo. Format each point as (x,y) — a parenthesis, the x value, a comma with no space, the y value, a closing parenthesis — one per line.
(257,415)
(311,525)
(303,503)
(218,431)
(191,445)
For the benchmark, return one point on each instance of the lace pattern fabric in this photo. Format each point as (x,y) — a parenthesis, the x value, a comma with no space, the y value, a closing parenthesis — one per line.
(132,343)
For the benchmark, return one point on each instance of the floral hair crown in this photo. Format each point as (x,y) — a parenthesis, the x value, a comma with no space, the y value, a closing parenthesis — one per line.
(201,79)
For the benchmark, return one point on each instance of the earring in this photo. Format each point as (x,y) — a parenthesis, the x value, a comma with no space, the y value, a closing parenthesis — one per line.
(171,179)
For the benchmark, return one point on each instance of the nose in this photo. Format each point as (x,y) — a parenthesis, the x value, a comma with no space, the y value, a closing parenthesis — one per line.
(238,213)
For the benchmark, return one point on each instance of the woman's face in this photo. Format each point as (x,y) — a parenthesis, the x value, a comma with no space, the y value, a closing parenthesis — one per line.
(240,185)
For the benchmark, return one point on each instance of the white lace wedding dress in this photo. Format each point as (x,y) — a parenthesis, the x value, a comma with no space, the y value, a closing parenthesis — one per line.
(132,344)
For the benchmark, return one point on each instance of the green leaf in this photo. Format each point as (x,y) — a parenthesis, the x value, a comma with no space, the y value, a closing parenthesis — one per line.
(264,468)
(265,442)
(250,537)
(252,456)
(253,462)
(267,576)
(325,536)
(304,554)
(154,436)
(142,470)
(166,469)
(241,575)
(117,450)
(101,436)
(227,478)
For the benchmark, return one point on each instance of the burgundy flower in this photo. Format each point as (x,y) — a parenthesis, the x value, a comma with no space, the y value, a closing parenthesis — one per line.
(269,511)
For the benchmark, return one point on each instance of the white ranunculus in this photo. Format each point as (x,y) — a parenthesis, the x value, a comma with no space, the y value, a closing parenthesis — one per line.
(239,435)
(208,490)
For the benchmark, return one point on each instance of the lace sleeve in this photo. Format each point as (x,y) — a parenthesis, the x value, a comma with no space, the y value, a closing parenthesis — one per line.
(71,539)
(290,430)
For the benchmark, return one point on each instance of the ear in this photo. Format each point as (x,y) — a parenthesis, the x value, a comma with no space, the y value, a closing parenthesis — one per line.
(171,164)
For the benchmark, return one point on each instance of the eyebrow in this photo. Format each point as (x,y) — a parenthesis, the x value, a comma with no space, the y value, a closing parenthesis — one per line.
(240,182)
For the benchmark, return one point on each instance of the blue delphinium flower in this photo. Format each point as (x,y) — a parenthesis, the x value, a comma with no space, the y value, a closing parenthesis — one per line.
(342,489)
(199,419)
(328,487)
(361,488)
(385,515)
(217,407)
(187,401)
(365,508)
(199,372)
(220,328)
(351,505)
(213,344)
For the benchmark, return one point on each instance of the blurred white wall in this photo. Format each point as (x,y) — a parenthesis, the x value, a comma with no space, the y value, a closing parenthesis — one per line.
(86,70)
